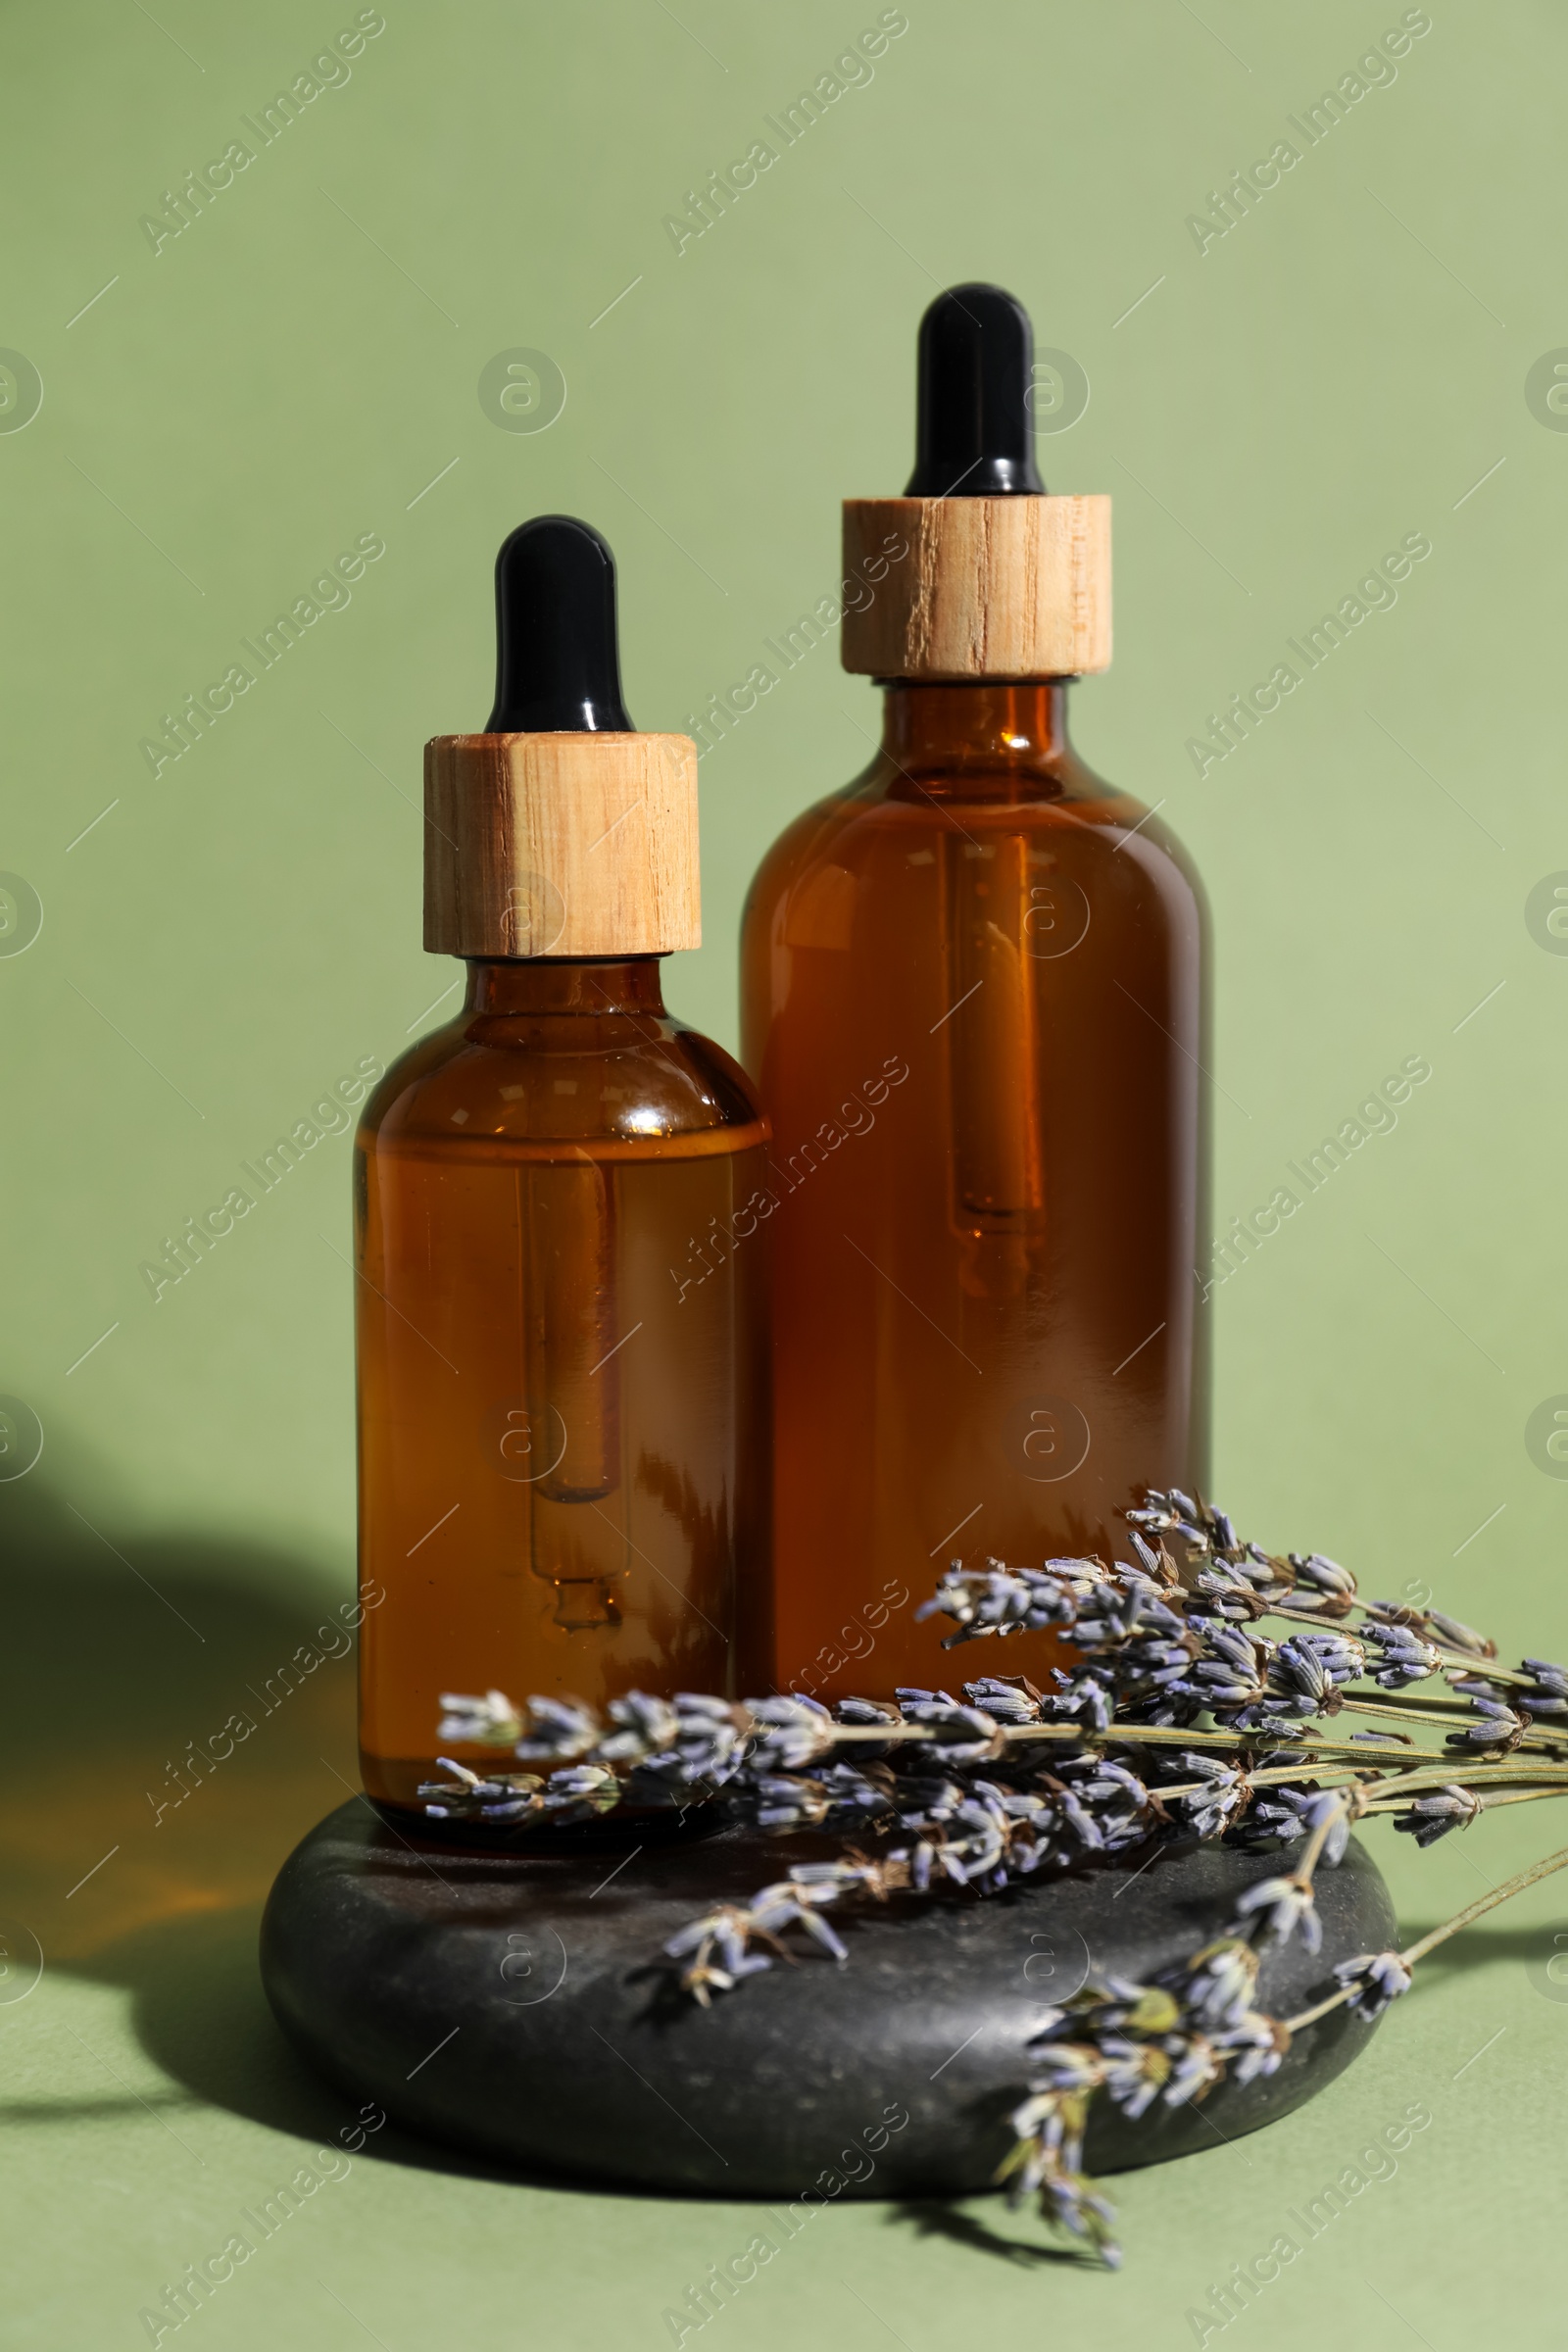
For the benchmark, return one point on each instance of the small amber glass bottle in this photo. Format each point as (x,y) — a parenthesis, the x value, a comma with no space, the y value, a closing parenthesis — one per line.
(974,1000)
(560,1294)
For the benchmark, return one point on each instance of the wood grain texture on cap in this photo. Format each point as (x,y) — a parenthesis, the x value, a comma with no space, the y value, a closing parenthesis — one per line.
(989,587)
(561,844)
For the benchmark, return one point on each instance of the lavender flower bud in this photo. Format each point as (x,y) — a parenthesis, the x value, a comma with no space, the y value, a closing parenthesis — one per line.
(1003,1702)
(1254,2045)
(965,1735)
(1498,1725)
(1306,1672)
(645,1723)
(1288,1909)
(558,1729)
(1322,1585)
(1218,1983)
(1210,1810)
(1461,1636)
(1329,1806)
(1230,1671)
(1402,1657)
(793,1731)
(1378,1977)
(1082,1699)
(488,1721)
(1438,1811)
(1547,1695)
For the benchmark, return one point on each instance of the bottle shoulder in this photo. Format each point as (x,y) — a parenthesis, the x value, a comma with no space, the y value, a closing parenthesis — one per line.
(623,1085)
(888,823)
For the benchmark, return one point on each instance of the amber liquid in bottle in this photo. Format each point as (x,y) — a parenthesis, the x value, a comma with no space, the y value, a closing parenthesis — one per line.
(561,1374)
(974,998)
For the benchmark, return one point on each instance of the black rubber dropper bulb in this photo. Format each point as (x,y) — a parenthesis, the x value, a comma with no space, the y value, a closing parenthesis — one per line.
(974,437)
(557,657)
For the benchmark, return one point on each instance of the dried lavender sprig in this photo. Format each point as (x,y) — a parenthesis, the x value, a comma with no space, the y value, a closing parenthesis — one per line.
(1240,1678)
(1543,1683)
(1169,1652)
(1173,2041)
(1165,2042)
(1155,1655)
(982,1836)
(1241,1580)
(708,1743)
(582,1736)
(758,1758)
(1353,1972)
(543,1730)
(574,1796)
(1156,1659)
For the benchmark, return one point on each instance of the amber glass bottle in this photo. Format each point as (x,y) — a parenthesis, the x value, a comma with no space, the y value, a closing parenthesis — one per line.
(974,1001)
(561,1338)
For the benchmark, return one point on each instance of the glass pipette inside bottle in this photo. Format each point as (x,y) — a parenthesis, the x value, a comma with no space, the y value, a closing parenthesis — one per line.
(557,670)
(975,439)
(577,1537)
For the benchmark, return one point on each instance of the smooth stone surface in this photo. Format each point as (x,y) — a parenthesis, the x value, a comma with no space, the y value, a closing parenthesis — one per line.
(519,2007)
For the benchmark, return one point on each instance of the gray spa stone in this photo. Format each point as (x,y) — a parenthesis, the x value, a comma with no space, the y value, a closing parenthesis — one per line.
(518,2006)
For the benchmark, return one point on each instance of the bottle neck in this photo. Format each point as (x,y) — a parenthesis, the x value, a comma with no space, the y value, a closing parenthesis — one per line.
(590,984)
(983,724)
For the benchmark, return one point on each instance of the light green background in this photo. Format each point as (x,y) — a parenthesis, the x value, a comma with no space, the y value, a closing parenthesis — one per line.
(1342,369)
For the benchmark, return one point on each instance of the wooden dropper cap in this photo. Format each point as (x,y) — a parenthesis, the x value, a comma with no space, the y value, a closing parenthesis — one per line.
(996,578)
(560,831)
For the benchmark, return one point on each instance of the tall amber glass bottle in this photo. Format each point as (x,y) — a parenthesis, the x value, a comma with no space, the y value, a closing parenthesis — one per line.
(562,1351)
(974,1001)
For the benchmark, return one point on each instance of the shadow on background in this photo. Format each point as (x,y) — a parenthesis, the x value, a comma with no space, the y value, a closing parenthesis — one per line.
(120,1653)
(951,2219)
(125,1656)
